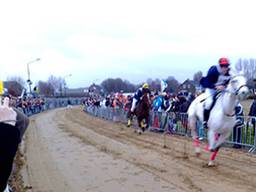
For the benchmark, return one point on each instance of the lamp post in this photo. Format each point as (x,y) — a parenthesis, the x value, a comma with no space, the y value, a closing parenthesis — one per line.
(29,80)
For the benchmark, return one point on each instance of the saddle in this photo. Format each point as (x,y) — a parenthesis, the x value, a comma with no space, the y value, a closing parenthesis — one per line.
(215,97)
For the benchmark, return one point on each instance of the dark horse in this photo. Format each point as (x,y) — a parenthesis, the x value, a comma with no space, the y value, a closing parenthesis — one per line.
(142,113)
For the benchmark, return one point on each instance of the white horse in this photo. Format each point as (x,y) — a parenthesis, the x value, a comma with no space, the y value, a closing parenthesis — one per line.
(222,116)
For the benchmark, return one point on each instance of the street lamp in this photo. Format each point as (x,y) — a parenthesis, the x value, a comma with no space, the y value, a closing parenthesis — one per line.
(29,80)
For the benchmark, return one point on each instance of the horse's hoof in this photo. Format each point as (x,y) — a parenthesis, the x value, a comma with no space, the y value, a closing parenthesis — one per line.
(211,164)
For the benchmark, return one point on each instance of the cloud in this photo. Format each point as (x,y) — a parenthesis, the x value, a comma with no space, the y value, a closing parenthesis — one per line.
(97,39)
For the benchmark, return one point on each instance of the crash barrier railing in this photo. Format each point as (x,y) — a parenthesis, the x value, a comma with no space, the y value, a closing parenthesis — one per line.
(49,103)
(243,134)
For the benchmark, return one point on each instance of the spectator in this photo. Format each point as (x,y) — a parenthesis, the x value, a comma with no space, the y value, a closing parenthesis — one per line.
(128,104)
(13,124)
(237,130)
(252,113)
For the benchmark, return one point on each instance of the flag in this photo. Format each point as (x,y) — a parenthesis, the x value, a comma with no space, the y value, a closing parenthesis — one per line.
(164,86)
(1,87)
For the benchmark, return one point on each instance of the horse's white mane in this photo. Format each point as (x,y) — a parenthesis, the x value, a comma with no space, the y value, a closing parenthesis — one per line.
(233,73)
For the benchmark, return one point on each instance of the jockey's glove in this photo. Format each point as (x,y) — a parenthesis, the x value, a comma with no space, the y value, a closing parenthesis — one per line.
(7,114)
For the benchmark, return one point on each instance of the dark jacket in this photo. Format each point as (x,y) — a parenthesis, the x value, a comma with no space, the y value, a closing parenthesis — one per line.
(139,93)
(239,115)
(211,78)
(253,109)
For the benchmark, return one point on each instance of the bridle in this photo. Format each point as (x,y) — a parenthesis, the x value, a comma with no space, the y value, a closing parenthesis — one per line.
(235,93)
(239,88)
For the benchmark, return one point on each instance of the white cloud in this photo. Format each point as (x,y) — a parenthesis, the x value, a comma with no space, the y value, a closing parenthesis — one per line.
(79,36)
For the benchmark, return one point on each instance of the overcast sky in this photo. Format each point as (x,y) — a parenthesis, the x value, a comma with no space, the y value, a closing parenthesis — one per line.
(132,39)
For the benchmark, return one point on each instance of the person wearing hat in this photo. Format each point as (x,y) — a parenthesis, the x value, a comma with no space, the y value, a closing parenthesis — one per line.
(138,95)
(216,79)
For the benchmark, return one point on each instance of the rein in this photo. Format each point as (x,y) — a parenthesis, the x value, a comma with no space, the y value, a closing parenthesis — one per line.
(234,93)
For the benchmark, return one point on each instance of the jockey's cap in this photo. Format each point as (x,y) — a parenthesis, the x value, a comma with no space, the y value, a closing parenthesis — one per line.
(224,61)
(145,86)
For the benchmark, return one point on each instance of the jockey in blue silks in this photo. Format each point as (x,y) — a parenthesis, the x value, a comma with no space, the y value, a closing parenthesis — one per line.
(217,79)
(138,95)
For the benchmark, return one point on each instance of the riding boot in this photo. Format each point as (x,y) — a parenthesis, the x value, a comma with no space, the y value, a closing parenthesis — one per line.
(206,118)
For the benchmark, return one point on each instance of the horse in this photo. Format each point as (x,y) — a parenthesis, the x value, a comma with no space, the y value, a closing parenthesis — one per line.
(222,116)
(142,113)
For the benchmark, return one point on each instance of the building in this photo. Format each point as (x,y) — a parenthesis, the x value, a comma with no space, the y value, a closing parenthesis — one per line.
(95,90)
(76,92)
(188,86)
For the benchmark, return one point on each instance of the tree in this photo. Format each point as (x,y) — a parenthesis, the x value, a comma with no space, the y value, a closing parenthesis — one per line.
(58,84)
(129,87)
(248,66)
(13,87)
(154,85)
(197,77)
(18,79)
(45,88)
(173,84)
(117,85)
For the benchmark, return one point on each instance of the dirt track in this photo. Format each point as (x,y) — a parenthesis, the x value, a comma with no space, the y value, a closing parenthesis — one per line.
(68,150)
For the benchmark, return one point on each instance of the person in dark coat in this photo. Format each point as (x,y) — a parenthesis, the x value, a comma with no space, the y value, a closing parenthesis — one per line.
(252,114)
(237,130)
(13,124)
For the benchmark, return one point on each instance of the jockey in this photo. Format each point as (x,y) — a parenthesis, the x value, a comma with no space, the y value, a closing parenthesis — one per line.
(217,79)
(138,95)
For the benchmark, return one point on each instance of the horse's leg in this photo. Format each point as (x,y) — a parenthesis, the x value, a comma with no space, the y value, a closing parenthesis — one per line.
(213,156)
(130,117)
(147,121)
(146,125)
(221,138)
(142,124)
(218,140)
(211,140)
(139,119)
(192,126)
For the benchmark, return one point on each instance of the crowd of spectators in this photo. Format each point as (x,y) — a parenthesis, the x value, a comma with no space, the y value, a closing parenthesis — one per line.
(30,105)
(160,101)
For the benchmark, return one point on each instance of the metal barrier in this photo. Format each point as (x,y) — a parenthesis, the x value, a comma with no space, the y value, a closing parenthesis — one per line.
(243,134)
